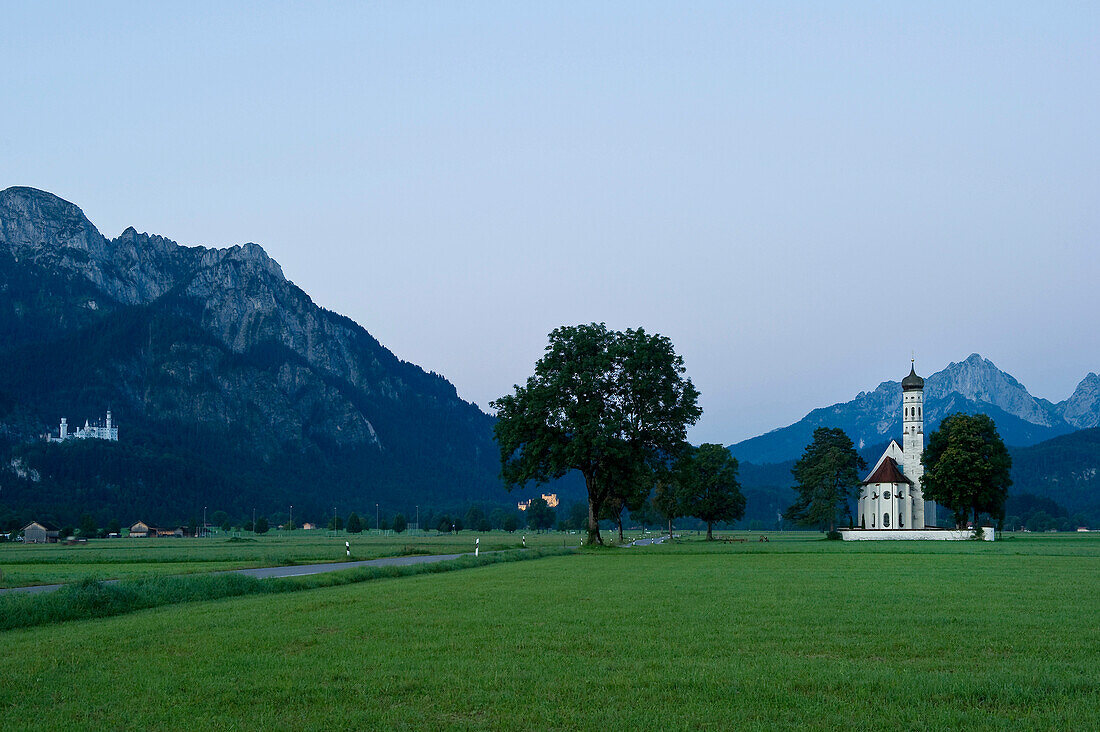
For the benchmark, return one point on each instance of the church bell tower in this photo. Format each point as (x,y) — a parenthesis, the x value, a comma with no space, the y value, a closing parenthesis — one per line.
(912,445)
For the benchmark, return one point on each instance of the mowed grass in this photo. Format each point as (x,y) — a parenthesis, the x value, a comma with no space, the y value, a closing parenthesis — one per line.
(37,564)
(608,639)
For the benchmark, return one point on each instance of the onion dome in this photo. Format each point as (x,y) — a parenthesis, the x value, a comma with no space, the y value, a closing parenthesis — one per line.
(912,382)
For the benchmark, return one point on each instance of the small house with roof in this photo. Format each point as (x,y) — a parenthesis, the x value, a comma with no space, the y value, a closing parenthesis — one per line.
(142,530)
(37,532)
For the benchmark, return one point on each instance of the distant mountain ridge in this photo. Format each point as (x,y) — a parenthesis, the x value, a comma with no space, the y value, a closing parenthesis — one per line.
(212,356)
(974,385)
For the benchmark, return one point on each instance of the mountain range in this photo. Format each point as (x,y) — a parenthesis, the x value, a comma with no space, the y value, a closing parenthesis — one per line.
(232,388)
(974,385)
(230,385)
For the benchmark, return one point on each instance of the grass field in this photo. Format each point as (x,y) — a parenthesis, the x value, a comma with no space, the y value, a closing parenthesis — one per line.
(793,633)
(38,564)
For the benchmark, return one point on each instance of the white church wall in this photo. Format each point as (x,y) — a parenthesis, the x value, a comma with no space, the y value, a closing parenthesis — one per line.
(988,534)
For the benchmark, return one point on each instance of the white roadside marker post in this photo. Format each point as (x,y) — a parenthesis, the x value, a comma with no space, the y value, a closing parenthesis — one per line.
(525,541)
(347,545)
(477,546)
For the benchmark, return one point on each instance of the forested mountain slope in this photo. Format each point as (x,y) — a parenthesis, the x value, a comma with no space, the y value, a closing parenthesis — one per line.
(231,387)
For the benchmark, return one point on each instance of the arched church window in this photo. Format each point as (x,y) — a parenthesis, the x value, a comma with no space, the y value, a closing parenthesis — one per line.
(918,412)
(901,521)
(886,520)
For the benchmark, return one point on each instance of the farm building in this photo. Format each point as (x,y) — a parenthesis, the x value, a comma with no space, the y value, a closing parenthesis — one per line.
(142,530)
(39,533)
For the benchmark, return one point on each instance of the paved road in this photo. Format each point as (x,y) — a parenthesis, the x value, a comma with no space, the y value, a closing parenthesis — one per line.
(650,541)
(292,571)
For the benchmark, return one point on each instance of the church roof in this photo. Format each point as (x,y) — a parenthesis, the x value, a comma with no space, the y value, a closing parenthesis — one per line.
(887,472)
(912,381)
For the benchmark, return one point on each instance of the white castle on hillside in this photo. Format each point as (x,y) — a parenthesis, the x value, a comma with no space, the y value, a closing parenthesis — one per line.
(96,431)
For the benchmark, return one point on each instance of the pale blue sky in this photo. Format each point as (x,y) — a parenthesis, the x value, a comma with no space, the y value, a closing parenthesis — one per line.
(798,194)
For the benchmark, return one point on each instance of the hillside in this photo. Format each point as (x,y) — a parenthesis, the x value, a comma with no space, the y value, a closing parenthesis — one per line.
(1065,469)
(974,385)
(231,387)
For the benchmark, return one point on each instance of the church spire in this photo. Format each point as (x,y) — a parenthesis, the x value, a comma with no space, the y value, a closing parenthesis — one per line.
(912,382)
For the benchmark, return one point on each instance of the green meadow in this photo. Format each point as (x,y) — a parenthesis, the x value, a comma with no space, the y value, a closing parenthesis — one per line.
(796,632)
(40,564)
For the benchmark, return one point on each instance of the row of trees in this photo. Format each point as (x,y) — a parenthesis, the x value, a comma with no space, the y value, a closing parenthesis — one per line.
(615,406)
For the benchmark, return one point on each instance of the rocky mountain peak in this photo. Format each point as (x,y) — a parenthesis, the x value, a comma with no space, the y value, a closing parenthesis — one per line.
(206,346)
(978,379)
(1082,409)
(974,384)
(32,222)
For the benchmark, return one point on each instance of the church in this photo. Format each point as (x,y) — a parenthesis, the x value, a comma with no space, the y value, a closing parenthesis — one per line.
(891,501)
(891,495)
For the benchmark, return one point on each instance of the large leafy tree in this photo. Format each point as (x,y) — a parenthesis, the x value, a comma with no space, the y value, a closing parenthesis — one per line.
(966,467)
(827,477)
(711,489)
(668,498)
(602,402)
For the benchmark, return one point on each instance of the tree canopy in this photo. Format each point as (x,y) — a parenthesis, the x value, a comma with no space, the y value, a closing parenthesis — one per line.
(355,524)
(966,467)
(827,476)
(602,402)
(711,491)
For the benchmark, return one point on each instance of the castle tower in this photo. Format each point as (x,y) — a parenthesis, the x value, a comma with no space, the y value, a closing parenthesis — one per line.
(64,432)
(912,445)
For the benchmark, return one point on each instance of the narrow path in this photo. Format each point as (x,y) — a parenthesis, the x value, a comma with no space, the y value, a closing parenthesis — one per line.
(298,570)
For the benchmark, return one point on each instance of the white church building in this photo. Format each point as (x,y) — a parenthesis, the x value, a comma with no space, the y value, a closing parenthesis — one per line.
(90,431)
(891,502)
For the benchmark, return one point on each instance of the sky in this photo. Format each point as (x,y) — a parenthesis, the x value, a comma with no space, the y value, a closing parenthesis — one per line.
(799,195)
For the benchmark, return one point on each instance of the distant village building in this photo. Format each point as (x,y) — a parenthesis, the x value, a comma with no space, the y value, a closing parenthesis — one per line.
(142,530)
(94,431)
(40,533)
(550,498)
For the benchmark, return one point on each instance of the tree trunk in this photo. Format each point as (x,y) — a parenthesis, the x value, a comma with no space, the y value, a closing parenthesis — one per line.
(620,521)
(593,524)
(595,503)
(710,531)
(669,527)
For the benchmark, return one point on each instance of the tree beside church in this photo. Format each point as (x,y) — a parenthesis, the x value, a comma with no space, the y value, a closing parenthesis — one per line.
(827,477)
(966,467)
